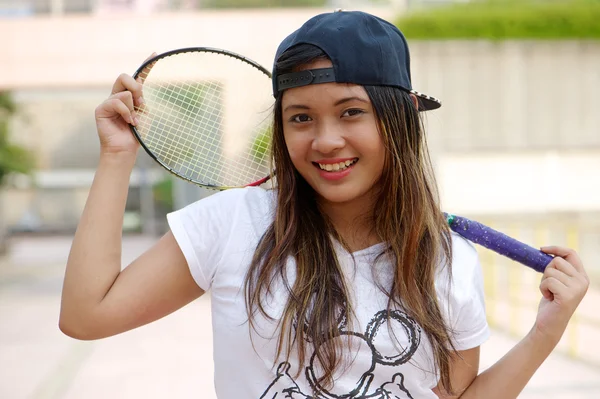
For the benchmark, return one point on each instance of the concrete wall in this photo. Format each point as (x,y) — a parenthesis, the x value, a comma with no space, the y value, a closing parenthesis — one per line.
(519,131)
(75,51)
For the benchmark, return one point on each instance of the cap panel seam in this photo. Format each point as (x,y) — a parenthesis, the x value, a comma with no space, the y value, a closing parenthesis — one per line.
(368,28)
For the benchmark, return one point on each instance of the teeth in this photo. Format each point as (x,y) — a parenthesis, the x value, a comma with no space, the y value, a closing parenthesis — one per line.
(334,167)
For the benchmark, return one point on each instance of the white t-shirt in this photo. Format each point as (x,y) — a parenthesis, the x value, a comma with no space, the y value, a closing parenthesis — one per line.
(218,236)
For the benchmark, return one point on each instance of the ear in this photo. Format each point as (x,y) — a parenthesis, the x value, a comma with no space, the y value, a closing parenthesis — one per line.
(415,101)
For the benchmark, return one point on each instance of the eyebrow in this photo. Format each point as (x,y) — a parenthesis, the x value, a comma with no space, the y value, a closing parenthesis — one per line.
(338,102)
(296,106)
(347,99)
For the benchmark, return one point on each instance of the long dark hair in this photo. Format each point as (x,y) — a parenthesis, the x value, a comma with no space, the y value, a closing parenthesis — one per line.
(408,220)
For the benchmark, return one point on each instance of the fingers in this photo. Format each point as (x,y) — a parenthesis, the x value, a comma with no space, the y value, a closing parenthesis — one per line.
(562,276)
(127,83)
(121,107)
(567,253)
(572,258)
(126,97)
(550,286)
(563,266)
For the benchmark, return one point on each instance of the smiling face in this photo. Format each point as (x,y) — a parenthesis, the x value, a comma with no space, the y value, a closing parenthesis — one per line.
(332,138)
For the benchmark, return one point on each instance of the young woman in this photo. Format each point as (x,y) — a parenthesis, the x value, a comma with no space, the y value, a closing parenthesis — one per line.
(342,282)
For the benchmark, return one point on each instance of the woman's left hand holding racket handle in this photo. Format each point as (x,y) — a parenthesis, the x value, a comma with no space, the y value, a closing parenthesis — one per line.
(563,286)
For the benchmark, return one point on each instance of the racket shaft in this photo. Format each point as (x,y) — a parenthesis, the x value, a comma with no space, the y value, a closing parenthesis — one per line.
(499,243)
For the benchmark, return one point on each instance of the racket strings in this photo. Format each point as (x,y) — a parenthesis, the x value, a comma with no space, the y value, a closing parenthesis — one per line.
(171,148)
(171,143)
(182,124)
(204,168)
(211,172)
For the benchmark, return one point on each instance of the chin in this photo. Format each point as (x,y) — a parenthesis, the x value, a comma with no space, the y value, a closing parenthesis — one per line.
(340,194)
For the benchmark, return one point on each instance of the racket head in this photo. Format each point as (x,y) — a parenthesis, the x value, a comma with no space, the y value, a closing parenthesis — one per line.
(207,116)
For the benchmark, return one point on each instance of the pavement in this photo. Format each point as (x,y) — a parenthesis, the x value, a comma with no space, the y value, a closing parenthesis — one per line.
(169,358)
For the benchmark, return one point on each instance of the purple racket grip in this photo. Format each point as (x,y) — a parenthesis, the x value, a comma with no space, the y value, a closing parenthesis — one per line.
(499,242)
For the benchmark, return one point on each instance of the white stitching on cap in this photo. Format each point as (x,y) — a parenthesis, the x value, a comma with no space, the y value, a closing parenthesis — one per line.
(425,96)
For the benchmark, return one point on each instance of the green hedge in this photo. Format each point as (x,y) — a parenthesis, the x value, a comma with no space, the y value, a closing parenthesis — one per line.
(506,19)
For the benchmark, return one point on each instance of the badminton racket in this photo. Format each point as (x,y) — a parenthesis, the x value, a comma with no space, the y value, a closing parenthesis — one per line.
(206,119)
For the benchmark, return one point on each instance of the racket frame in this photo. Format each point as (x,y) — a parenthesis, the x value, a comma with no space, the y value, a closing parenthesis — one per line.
(169,53)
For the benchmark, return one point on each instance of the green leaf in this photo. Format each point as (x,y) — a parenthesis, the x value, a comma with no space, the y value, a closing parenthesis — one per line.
(13,158)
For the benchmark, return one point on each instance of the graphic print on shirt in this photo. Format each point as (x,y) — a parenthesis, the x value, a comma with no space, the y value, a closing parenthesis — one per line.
(368,352)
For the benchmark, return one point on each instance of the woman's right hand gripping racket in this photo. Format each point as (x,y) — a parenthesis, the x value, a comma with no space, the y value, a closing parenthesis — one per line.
(206,116)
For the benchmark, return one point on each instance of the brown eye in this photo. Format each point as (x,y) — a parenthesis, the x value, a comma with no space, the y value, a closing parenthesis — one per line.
(353,112)
(300,118)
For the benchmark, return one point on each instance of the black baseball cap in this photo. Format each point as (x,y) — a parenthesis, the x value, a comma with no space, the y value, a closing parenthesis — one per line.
(364,50)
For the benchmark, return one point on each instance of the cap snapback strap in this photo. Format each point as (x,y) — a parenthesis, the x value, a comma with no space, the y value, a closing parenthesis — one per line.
(303,78)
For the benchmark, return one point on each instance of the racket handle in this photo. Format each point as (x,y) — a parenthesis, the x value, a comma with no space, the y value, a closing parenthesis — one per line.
(499,242)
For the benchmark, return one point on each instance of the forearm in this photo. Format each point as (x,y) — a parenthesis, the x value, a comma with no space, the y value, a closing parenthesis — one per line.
(509,375)
(95,258)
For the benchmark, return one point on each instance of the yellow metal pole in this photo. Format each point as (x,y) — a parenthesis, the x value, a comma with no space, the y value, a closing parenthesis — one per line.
(490,281)
(573,334)
(514,289)
(541,238)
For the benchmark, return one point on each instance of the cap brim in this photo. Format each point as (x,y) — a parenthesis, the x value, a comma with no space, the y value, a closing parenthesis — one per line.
(426,103)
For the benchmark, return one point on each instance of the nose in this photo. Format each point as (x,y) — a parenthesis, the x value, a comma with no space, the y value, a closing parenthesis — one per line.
(329,137)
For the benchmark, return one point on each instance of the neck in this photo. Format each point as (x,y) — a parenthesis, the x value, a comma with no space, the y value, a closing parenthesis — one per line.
(353,221)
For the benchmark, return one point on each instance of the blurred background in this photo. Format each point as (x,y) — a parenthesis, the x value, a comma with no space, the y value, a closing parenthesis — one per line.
(516,145)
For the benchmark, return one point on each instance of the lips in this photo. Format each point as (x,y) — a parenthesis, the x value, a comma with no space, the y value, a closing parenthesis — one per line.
(337,166)
(335,169)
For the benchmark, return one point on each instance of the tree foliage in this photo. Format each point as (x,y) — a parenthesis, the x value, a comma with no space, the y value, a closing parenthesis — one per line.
(13,158)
